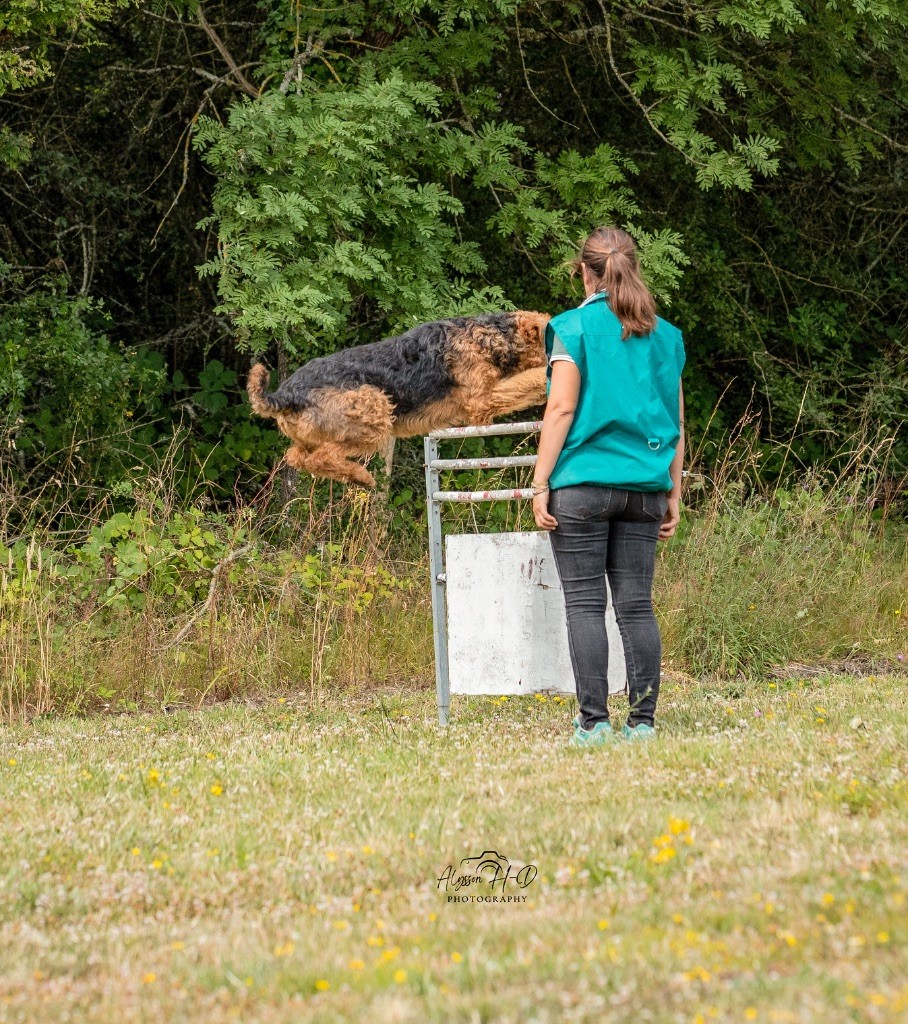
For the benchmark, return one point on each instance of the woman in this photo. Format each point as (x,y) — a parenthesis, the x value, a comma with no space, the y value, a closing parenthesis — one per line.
(608,476)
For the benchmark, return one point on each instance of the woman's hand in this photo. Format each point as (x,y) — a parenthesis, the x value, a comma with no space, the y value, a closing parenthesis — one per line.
(544,520)
(671,520)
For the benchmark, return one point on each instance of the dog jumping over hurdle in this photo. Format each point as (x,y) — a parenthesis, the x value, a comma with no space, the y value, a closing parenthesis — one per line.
(449,373)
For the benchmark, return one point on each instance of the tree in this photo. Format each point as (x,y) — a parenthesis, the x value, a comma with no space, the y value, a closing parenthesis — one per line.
(360,166)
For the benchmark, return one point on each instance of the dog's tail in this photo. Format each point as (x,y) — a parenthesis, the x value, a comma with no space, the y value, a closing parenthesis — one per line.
(262,403)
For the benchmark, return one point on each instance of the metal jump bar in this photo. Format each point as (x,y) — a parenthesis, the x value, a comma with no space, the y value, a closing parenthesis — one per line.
(435,498)
(517,494)
(492,429)
(492,463)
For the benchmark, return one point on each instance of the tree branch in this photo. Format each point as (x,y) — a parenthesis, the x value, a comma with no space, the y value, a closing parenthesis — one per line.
(216,572)
(244,82)
(298,63)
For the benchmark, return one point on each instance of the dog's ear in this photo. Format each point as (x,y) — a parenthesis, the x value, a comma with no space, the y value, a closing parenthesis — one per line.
(534,329)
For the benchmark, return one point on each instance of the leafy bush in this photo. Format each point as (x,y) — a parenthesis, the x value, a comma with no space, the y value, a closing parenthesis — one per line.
(65,387)
(142,559)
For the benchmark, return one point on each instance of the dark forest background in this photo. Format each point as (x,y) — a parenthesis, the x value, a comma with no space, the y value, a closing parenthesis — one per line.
(186,186)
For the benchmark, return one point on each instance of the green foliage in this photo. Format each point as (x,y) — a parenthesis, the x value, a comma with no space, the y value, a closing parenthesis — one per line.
(125,562)
(360,167)
(26,29)
(574,192)
(210,439)
(330,571)
(64,383)
(146,558)
(82,411)
(326,196)
(140,559)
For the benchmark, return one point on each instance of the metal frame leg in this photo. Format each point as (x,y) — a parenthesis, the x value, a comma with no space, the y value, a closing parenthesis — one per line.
(437,571)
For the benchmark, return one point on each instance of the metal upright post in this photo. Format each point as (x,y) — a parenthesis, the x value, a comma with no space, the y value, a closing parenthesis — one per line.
(437,570)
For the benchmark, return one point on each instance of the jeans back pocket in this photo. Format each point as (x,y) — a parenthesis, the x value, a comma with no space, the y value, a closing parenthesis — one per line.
(654,505)
(580,501)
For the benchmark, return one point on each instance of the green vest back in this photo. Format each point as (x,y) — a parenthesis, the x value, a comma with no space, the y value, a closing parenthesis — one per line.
(627,423)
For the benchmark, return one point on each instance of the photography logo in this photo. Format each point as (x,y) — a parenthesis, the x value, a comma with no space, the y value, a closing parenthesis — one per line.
(487,878)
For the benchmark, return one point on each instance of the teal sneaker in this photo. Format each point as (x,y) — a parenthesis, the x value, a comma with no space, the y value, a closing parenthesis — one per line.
(638,732)
(600,735)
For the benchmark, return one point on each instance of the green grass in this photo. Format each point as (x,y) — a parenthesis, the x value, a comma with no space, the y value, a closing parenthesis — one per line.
(278,861)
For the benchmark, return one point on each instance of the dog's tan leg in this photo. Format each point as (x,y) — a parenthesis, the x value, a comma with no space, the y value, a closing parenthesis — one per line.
(347,425)
(522,391)
(297,455)
(333,461)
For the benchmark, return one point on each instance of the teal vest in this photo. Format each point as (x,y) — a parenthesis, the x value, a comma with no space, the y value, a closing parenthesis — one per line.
(627,423)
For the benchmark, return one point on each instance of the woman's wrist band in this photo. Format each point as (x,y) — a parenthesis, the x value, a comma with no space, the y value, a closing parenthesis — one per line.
(539,488)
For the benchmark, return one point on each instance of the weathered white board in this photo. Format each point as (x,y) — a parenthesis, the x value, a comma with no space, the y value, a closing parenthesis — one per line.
(507,631)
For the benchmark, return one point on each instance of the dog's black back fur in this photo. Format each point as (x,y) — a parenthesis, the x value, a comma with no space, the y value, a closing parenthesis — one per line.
(412,368)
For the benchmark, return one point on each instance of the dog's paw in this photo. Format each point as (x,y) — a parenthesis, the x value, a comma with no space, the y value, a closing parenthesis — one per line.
(364,479)
(296,458)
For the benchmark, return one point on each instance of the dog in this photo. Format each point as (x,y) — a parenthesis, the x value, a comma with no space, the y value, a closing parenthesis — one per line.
(465,370)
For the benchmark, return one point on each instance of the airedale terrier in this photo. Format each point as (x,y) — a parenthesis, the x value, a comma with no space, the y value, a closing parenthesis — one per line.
(448,373)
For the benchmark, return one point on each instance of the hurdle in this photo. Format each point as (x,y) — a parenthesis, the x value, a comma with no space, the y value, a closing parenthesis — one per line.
(522,648)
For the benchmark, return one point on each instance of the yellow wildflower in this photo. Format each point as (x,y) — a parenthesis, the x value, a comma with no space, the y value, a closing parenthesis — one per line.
(697,974)
(663,855)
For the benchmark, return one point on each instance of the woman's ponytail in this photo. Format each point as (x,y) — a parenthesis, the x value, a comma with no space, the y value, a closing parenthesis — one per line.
(611,256)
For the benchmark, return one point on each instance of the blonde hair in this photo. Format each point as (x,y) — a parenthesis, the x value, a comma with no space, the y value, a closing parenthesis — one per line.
(611,256)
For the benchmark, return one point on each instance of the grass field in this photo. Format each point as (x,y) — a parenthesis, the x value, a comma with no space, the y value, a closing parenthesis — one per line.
(280,861)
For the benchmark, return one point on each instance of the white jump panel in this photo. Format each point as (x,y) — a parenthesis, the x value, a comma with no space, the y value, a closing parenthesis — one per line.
(506,622)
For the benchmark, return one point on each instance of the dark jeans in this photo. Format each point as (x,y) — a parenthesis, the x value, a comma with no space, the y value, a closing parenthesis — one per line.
(607,532)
